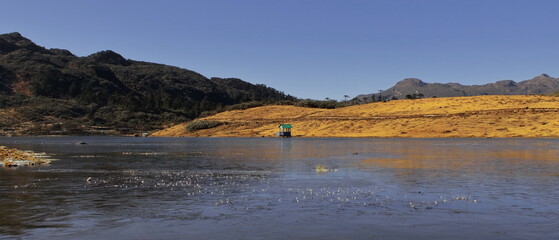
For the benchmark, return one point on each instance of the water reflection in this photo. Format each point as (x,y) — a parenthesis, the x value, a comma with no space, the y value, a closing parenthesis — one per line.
(472,157)
(233,188)
(23,204)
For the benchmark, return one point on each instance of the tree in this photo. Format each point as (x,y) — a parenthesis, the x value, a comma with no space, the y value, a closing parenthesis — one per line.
(414,96)
(346,97)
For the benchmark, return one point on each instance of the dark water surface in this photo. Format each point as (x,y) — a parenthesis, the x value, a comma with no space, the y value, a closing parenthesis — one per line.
(267,188)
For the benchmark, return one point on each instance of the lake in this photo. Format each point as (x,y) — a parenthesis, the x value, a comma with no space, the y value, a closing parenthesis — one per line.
(269,188)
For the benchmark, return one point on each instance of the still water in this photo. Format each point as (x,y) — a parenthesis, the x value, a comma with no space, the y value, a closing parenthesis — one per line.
(268,188)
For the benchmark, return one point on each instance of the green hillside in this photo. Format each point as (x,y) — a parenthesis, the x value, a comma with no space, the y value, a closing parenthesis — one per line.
(52,91)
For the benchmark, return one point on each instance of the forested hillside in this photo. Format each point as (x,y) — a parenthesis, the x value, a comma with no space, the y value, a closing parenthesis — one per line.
(52,91)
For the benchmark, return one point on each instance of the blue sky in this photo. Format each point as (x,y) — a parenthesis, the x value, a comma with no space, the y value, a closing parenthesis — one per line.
(308,48)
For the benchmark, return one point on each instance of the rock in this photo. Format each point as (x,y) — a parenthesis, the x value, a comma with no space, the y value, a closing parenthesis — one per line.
(15,158)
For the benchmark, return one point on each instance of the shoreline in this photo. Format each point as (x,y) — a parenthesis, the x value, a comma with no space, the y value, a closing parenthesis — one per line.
(325,137)
(11,158)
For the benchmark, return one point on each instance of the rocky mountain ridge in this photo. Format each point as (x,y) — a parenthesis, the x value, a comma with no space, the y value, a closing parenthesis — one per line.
(539,85)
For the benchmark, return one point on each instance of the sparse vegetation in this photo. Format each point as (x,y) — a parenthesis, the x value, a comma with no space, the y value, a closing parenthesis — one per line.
(321,169)
(202,124)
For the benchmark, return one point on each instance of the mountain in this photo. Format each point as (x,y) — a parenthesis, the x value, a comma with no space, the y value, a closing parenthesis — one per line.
(52,91)
(542,84)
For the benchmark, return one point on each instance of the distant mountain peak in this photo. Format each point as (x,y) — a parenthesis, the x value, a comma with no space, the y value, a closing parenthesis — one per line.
(13,35)
(541,84)
(506,83)
(109,57)
(13,41)
(412,82)
(15,38)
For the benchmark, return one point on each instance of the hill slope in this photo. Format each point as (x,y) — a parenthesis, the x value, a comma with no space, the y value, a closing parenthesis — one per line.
(481,116)
(52,91)
(542,84)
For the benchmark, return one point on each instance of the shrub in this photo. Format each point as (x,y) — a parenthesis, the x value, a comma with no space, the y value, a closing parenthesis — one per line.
(328,104)
(202,124)
(415,96)
(244,106)
(207,114)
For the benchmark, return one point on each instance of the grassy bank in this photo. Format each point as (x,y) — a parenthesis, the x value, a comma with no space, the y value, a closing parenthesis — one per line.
(480,116)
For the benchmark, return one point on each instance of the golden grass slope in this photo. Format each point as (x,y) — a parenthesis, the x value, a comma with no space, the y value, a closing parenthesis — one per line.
(480,116)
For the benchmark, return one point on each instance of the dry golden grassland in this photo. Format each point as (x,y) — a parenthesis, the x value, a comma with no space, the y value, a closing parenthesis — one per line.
(480,116)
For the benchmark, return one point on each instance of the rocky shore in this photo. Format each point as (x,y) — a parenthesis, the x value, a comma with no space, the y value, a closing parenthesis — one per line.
(10,157)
